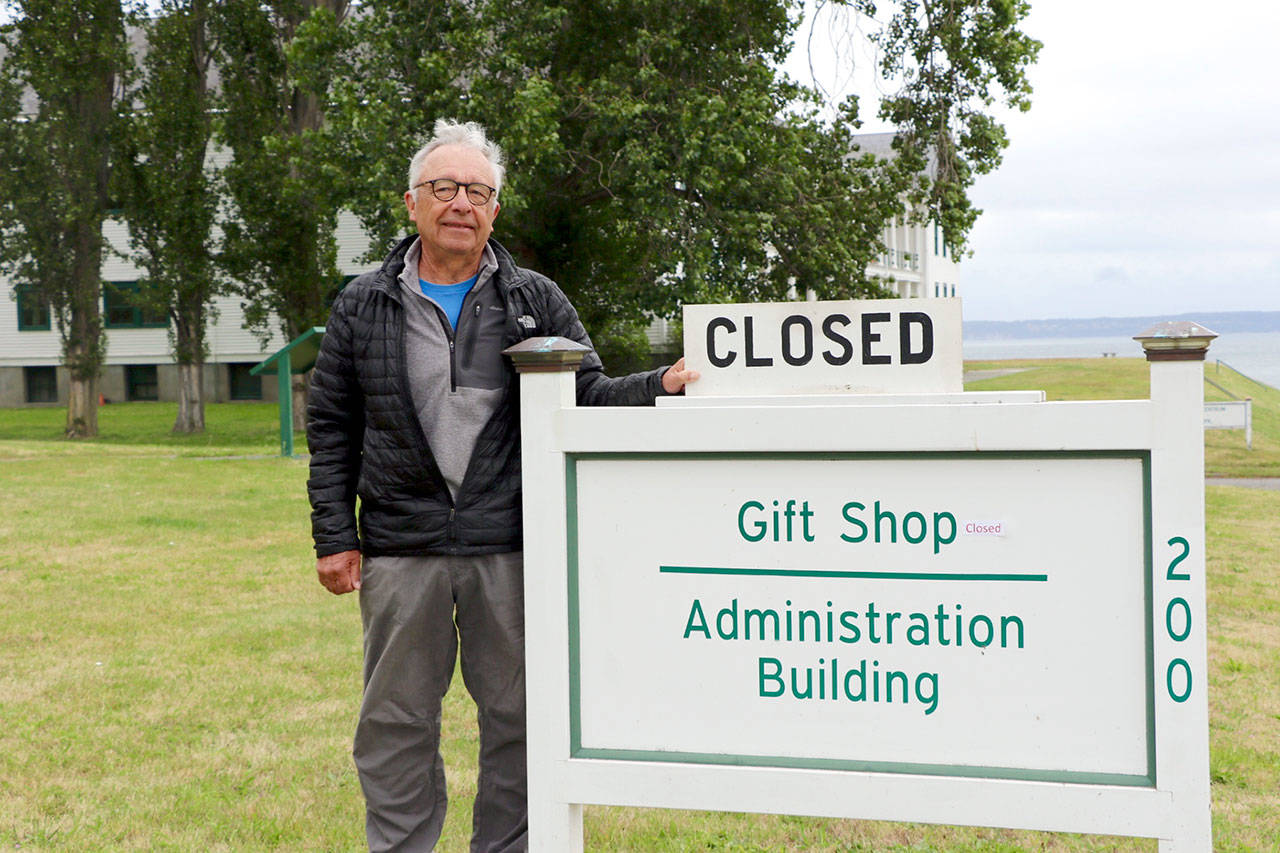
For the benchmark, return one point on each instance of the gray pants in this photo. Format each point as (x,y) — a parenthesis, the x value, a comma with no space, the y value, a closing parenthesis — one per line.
(415,611)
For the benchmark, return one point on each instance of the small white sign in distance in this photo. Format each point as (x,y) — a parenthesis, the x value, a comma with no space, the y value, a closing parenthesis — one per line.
(1226,415)
(859,346)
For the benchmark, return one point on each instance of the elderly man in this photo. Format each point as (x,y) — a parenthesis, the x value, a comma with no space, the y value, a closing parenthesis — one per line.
(413,408)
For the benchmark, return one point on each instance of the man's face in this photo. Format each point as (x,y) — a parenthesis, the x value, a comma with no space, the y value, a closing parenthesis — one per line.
(454,230)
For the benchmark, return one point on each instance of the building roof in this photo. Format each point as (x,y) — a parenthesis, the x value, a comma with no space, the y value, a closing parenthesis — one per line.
(879,144)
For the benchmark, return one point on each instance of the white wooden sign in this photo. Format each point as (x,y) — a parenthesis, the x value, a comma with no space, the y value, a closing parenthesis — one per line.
(1227,415)
(988,613)
(867,346)
(953,606)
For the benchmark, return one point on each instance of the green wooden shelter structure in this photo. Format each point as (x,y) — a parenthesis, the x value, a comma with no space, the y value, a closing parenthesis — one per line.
(298,356)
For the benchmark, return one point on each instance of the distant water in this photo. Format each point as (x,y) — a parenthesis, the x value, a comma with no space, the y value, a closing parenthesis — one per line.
(1255,354)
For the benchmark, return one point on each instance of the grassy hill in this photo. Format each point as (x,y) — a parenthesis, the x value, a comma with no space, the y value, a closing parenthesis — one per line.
(1129,379)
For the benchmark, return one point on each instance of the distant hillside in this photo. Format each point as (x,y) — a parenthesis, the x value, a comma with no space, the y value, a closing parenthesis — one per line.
(1221,322)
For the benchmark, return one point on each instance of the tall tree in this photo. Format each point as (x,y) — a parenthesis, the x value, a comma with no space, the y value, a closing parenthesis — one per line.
(282,182)
(401,66)
(169,192)
(687,167)
(656,154)
(279,242)
(70,57)
(945,65)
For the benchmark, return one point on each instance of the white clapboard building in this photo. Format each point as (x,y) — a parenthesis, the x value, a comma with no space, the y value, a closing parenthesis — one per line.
(915,257)
(140,364)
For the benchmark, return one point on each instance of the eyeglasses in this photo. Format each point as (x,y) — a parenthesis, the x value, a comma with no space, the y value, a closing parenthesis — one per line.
(445,189)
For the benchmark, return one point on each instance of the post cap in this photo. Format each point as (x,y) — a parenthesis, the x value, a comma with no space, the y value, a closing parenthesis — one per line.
(546,355)
(1176,340)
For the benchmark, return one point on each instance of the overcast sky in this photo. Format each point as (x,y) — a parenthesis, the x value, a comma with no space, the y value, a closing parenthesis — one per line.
(1146,177)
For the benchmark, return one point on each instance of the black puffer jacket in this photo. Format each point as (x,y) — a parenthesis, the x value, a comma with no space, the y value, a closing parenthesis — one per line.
(366,440)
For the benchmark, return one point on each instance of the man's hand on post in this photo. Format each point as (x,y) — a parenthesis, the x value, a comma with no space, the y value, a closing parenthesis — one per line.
(676,377)
(339,573)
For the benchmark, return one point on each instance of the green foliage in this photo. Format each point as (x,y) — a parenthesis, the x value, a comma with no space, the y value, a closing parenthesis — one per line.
(952,60)
(657,155)
(282,196)
(70,56)
(623,348)
(401,70)
(168,195)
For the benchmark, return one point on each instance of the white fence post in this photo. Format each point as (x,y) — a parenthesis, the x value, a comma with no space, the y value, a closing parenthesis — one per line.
(1176,353)
(547,368)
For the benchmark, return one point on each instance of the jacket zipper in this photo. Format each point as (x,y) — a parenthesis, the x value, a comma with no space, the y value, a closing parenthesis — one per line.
(432,466)
(453,366)
(452,335)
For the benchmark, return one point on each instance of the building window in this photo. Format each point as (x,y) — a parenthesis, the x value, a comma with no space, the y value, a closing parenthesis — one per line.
(122,308)
(41,383)
(243,385)
(140,382)
(33,312)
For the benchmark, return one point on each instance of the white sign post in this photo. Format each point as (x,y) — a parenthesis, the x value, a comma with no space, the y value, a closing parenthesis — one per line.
(945,610)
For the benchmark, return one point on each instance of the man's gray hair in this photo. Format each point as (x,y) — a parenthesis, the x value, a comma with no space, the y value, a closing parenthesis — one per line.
(470,134)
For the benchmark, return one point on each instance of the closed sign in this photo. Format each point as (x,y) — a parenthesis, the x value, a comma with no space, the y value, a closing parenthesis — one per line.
(865,346)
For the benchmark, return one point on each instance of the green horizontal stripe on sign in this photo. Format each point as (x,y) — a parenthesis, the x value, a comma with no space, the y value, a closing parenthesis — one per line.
(826,573)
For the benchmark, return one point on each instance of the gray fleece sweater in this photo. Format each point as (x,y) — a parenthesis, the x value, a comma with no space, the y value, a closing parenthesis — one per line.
(456,376)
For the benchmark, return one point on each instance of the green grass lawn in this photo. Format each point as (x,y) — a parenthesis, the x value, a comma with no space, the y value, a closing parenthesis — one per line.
(172,676)
(230,428)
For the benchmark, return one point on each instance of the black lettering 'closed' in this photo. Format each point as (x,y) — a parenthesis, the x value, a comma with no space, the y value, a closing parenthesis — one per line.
(806,340)
(719,323)
(925,324)
(846,348)
(869,337)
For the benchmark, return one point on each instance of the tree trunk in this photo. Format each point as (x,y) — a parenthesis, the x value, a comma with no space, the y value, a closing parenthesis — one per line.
(190,398)
(83,345)
(82,408)
(189,329)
